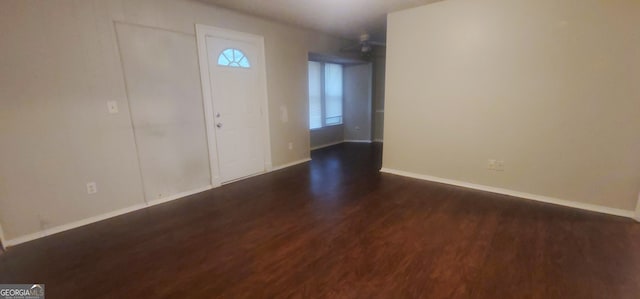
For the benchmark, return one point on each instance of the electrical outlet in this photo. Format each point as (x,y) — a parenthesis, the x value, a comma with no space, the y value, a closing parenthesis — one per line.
(113,107)
(290,145)
(92,188)
(491,164)
(496,165)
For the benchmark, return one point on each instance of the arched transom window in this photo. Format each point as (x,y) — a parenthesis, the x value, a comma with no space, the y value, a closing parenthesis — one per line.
(233,58)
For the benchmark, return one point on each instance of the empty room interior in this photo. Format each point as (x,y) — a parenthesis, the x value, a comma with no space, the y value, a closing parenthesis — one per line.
(319,149)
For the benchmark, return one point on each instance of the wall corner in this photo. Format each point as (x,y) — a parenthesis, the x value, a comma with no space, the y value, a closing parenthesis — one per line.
(3,242)
(637,214)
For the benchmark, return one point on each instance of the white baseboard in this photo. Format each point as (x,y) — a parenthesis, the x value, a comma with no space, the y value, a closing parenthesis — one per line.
(535,197)
(72,225)
(158,201)
(83,222)
(344,141)
(326,145)
(291,164)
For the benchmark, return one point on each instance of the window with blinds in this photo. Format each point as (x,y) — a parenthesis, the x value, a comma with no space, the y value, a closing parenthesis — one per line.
(325,94)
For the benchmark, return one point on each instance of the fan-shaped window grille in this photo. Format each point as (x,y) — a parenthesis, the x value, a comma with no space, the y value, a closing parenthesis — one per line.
(233,58)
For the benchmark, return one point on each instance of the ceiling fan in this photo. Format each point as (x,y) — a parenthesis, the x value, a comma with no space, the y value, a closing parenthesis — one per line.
(365,46)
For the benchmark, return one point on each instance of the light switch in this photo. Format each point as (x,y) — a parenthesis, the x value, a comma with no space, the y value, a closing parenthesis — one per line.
(92,188)
(113,107)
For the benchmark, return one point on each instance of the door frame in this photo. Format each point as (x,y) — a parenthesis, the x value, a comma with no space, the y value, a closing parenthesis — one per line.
(638,209)
(2,241)
(202,32)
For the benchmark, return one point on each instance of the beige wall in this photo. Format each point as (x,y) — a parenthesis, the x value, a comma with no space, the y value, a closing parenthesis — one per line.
(357,102)
(60,64)
(379,70)
(550,87)
(326,136)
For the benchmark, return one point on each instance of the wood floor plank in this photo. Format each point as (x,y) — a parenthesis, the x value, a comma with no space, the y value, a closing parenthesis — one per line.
(337,228)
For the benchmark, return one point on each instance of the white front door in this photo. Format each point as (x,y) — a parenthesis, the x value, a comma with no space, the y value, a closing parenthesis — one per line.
(237,96)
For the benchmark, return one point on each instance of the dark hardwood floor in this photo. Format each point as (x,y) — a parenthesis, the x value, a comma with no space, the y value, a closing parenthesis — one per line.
(336,228)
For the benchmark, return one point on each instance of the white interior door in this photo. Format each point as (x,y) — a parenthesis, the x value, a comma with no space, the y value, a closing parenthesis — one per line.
(237,95)
(165,102)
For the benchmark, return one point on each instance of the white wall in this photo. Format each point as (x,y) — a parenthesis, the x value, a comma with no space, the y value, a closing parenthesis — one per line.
(60,64)
(550,87)
(357,102)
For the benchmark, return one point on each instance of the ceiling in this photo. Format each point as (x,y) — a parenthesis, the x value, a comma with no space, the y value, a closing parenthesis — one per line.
(344,18)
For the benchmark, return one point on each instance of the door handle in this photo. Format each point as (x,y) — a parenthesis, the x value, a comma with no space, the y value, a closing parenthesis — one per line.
(219,125)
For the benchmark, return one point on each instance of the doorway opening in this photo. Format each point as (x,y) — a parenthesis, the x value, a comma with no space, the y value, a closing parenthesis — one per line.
(340,100)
